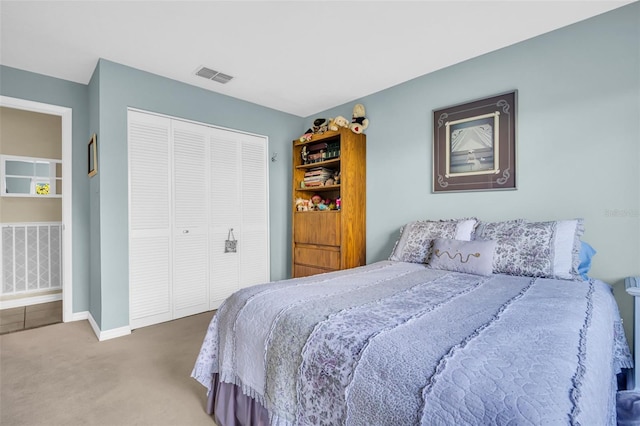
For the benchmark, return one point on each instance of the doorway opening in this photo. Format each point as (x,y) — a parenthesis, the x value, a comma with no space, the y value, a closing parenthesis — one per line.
(35,249)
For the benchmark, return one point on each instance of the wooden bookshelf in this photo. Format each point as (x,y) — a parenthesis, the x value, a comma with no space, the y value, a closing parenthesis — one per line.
(329,240)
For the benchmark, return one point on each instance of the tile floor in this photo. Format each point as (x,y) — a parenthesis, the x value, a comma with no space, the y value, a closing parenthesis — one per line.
(25,317)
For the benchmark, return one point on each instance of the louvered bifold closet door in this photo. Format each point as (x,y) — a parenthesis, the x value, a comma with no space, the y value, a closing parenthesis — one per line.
(238,201)
(149,219)
(254,259)
(190,175)
(189,185)
(226,215)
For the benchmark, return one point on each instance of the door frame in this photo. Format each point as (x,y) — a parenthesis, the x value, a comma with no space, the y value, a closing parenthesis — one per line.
(66,115)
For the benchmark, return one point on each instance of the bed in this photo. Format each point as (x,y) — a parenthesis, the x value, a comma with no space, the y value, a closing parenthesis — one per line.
(467,323)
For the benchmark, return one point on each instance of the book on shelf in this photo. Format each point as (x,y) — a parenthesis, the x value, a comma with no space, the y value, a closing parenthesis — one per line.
(316,157)
(317,146)
(314,181)
(322,151)
(319,172)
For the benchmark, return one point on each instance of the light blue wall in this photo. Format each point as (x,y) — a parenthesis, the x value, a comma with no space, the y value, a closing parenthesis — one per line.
(578,138)
(39,88)
(95,281)
(122,87)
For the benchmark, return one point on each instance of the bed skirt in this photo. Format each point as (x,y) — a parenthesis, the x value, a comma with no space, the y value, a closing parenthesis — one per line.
(230,407)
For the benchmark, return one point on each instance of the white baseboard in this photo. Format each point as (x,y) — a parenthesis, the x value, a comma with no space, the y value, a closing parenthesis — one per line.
(79,316)
(114,332)
(29,300)
(107,334)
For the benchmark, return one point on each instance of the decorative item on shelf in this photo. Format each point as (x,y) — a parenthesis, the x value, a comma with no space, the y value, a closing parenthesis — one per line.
(302,204)
(42,188)
(358,121)
(318,203)
(334,179)
(230,244)
(339,121)
(306,137)
(338,203)
(320,125)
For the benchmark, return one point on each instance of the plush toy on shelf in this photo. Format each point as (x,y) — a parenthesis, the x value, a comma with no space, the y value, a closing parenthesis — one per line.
(339,121)
(334,179)
(302,205)
(320,125)
(359,122)
(318,203)
(306,137)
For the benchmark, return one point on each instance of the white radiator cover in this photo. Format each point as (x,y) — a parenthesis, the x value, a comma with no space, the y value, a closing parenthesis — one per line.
(31,256)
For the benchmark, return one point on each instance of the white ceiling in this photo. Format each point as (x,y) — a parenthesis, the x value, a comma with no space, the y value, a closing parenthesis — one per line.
(300,57)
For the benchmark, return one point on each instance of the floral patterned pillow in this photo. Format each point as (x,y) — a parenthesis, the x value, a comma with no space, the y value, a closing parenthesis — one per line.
(414,244)
(535,249)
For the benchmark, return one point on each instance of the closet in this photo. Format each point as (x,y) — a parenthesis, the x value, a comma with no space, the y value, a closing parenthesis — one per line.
(192,188)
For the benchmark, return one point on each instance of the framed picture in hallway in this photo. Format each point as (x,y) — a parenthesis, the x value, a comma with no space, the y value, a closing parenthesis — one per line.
(93,155)
(474,145)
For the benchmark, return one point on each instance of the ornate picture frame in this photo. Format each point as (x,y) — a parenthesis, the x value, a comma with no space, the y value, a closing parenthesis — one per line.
(474,145)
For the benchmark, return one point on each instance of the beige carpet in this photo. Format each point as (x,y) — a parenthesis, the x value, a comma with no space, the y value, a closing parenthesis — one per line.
(62,375)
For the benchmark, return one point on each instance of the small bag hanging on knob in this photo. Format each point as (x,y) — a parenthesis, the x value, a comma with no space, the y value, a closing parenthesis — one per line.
(230,243)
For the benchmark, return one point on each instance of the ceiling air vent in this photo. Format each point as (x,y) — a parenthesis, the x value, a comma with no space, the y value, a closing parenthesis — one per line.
(210,74)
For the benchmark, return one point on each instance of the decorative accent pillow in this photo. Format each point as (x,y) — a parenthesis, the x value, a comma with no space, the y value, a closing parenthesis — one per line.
(535,249)
(471,257)
(414,244)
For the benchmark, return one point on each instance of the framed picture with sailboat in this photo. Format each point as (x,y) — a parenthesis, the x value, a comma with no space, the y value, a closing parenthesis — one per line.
(474,145)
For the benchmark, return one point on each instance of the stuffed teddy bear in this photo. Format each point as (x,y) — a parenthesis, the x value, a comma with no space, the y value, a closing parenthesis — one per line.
(359,122)
(339,121)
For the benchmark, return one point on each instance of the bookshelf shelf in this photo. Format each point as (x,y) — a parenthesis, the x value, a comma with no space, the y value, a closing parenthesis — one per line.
(326,163)
(320,189)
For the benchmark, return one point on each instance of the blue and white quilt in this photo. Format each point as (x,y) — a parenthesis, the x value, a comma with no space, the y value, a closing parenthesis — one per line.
(396,343)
